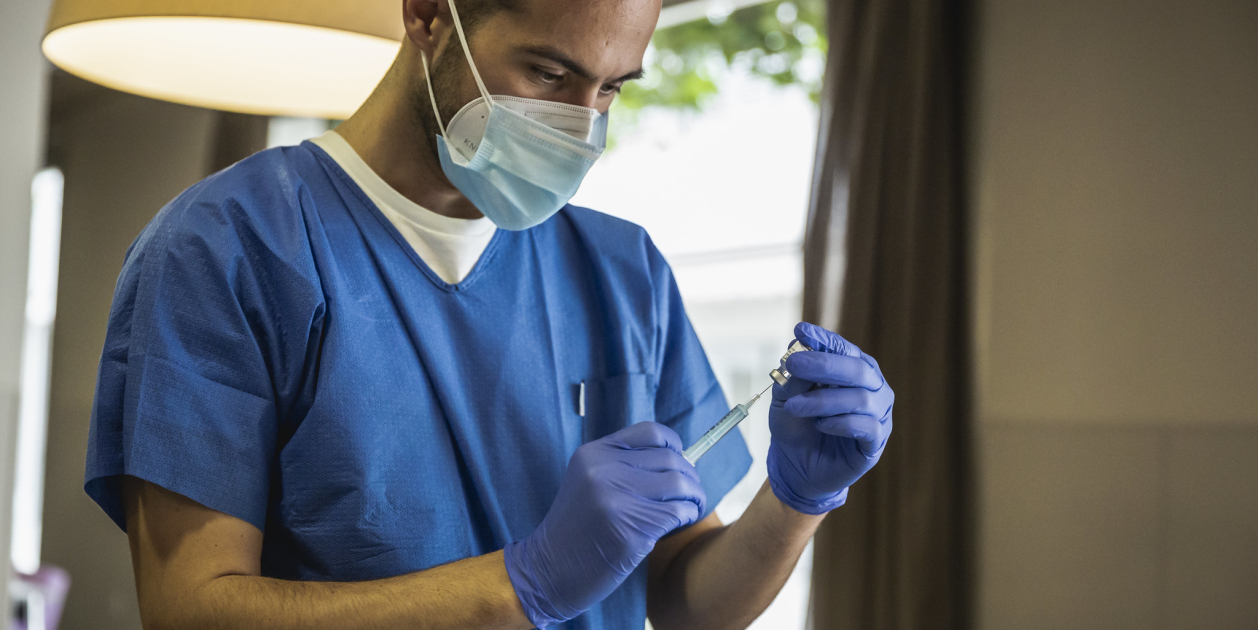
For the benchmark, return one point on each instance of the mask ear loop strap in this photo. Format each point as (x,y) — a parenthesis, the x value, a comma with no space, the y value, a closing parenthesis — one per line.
(432,98)
(458,26)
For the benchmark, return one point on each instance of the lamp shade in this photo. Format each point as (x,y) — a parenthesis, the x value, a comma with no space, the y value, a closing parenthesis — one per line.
(316,58)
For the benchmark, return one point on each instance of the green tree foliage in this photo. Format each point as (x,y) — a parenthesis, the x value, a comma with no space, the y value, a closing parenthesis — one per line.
(782,40)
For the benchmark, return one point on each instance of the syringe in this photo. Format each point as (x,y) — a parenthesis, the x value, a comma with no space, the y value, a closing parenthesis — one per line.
(718,430)
(736,415)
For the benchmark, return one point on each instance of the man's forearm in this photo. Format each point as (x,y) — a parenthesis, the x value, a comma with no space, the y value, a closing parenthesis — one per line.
(199,568)
(728,576)
(470,593)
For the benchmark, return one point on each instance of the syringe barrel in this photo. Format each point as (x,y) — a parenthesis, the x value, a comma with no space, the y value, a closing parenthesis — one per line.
(715,434)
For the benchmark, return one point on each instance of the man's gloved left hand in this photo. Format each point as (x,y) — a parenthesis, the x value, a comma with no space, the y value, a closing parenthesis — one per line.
(829,422)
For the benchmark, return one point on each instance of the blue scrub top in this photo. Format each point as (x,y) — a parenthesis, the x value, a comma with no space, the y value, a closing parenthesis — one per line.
(276,351)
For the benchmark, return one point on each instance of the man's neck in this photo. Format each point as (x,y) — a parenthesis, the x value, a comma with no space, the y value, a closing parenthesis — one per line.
(387,135)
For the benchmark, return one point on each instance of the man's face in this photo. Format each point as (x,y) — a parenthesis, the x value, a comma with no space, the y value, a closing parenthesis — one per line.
(570,51)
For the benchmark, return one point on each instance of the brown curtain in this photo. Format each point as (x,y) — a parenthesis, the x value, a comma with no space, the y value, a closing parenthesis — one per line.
(885,265)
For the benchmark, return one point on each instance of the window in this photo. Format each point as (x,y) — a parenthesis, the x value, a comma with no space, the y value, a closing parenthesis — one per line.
(41,310)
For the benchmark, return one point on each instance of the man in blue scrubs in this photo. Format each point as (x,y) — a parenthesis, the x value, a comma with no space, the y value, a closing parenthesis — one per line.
(389,379)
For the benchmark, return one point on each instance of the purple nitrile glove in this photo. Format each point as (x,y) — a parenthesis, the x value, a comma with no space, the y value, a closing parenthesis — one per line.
(830,422)
(619,495)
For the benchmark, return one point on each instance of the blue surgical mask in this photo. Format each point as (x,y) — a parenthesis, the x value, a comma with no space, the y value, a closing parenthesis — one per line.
(520,170)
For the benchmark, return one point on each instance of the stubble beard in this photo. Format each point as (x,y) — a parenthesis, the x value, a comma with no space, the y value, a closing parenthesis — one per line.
(449,70)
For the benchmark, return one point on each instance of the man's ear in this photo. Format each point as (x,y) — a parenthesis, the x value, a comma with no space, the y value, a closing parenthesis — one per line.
(418,17)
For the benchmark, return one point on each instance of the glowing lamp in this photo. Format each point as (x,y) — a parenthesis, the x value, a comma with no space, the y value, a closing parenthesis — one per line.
(318,58)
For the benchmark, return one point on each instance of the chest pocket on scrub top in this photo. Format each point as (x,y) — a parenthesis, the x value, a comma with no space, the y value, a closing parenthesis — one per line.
(612,404)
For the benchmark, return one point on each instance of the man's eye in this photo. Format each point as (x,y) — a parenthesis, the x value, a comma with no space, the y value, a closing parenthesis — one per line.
(609,89)
(547,77)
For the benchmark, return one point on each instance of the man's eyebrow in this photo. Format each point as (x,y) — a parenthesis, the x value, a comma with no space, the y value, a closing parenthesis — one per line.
(632,76)
(557,56)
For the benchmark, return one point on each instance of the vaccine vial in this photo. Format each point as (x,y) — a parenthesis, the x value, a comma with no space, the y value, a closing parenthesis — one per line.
(779,373)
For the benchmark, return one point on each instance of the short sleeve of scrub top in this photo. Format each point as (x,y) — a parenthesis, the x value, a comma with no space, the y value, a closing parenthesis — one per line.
(196,351)
(690,399)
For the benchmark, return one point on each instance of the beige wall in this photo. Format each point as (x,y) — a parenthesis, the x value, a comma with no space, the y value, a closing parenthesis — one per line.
(124,157)
(1115,181)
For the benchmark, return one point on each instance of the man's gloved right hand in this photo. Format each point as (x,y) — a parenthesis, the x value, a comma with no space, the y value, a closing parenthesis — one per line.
(618,496)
